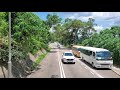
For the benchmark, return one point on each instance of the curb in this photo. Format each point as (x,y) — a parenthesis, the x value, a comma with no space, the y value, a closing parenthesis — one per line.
(115,71)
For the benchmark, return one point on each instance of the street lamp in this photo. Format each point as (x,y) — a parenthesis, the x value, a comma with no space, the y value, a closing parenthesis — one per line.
(9,38)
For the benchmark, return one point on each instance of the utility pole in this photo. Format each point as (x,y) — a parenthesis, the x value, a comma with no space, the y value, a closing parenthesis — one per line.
(9,38)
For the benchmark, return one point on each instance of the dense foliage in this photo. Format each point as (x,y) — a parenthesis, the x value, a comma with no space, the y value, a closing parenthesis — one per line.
(3,36)
(29,34)
(108,39)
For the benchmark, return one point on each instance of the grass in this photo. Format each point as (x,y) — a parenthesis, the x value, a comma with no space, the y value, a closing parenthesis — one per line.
(38,60)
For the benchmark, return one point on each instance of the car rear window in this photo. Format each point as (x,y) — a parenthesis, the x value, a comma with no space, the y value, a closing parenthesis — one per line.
(68,54)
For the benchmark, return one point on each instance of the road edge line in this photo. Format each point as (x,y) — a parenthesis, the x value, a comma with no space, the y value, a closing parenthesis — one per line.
(61,66)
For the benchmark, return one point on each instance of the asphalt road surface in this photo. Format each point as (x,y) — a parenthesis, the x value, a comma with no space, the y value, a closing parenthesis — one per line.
(52,67)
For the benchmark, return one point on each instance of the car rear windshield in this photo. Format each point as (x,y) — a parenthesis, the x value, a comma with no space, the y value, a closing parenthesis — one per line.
(68,54)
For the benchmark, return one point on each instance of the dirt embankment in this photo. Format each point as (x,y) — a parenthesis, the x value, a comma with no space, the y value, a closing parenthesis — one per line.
(21,68)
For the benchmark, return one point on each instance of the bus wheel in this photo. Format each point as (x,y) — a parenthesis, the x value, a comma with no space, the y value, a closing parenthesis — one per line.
(82,59)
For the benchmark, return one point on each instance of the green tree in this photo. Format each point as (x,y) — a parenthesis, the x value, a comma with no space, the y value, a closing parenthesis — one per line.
(53,19)
(108,39)
(29,34)
(73,26)
(3,37)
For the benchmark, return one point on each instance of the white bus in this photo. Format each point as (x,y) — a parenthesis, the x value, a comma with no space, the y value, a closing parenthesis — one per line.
(97,57)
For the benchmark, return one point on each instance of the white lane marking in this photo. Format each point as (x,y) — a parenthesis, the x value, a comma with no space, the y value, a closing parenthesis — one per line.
(60,70)
(60,66)
(93,71)
(86,67)
(62,73)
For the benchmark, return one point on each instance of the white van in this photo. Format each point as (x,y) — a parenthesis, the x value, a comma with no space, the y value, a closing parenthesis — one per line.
(97,57)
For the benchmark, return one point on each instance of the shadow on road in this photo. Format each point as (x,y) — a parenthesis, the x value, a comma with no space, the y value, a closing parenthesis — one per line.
(55,76)
(70,63)
(53,52)
(88,64)
(54,48)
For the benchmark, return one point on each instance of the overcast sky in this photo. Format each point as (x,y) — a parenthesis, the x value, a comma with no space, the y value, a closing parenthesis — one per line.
(102,19)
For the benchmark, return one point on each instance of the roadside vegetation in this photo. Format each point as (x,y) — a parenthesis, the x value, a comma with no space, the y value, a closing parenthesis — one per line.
(108,39)
(38,60)
(30,34)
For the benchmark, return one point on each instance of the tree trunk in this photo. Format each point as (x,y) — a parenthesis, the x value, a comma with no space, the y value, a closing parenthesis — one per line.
(75,36)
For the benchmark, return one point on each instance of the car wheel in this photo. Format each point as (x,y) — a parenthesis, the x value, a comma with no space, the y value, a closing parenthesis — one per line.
(63,61)
(93,65)
(73,62)
(83,59)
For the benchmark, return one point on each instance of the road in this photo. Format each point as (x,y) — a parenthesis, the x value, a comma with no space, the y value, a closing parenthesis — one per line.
(52,67)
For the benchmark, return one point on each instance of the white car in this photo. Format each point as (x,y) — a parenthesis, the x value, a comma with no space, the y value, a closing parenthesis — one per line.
(68,57)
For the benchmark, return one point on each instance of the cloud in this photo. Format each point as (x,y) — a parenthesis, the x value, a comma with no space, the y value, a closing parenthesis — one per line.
(72,17)
(106,15)
(101,15)
(77,13)
(98,28)
(117,21)
(84,18)
(110,17)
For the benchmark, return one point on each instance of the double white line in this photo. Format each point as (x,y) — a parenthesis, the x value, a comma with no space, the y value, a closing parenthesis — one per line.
(62,73)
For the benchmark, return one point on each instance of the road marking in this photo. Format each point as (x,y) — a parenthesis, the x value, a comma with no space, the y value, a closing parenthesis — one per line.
(60,70)
(62,73)
(91,70)
(86,67)
(60,65)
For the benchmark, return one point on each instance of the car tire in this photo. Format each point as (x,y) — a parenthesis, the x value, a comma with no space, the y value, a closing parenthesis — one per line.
(63,61)
(73,62)
(93,65)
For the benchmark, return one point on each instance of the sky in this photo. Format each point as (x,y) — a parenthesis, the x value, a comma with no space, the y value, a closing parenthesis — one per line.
(102,19)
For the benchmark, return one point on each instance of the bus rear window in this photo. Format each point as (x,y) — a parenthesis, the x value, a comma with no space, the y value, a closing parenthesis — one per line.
(78,49)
